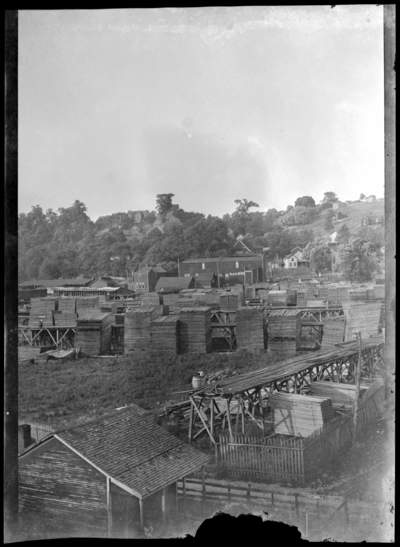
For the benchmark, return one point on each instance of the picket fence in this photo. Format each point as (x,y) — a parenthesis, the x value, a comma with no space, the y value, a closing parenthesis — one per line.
(281,458)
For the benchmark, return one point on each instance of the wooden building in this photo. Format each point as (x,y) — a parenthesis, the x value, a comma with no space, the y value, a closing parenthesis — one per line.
(103,282)
(231,270)
(145,279)
(50,284)
(110,476)
(207,280)
(372,221)
(109,293)
(174,284)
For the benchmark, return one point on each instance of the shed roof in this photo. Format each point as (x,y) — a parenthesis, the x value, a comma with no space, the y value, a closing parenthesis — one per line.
(129,447)
(173,283)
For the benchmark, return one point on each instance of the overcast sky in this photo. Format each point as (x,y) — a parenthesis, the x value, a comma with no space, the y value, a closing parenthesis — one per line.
(211,104)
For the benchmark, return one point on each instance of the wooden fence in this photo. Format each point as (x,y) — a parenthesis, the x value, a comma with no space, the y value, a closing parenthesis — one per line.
(296,459)
(38,430)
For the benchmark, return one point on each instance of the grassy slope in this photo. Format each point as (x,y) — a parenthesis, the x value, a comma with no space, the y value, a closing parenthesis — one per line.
(354,211)
(62,392)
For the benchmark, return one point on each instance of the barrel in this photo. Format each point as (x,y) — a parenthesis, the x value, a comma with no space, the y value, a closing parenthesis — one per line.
(197,381)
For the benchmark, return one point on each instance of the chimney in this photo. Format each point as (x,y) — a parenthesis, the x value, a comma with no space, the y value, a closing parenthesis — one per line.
(24,437)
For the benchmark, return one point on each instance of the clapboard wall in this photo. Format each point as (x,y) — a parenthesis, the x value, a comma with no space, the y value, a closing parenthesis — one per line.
(62,492)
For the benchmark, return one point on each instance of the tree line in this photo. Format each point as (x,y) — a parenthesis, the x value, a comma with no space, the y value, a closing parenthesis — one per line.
(67,243)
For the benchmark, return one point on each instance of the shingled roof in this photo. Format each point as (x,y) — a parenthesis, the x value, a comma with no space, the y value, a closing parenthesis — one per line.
(173,284)
(129,447)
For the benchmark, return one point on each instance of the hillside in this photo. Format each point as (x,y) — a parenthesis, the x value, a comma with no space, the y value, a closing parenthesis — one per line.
(354,211)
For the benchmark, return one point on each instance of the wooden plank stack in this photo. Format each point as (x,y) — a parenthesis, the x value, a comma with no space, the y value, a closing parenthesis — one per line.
(251,327)
(93,333)
(263,294)
(299,415)
(333,295)
(169,299)
(333,331)
(137,328)
(340,394)
(364,317)
(291,297)
(212,298)
(185,303)
(45,304)
(164,334)
(315,304)
(311,293)
(87,305)
(151,299)
(39,319)
(231,301)
(357,294)
(199,297)
(250,292)
(379,292)
(284,332)
(322,293)
(301,298)
(109,307)
(277,298)
(65,319)
(343,293)
(67,304)
(195,330)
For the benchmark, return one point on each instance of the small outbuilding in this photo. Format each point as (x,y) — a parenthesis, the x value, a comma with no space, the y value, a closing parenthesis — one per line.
(108,477)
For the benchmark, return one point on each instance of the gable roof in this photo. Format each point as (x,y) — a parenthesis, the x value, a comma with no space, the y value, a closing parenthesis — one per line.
(77,282)
(157,269)
(173,283)
(129,447)
(240,241)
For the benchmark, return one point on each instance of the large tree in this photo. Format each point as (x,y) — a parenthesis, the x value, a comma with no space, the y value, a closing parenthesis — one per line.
(305,201)
(343,234)
(358,260)
(164,203)
(330,197)
(319,255)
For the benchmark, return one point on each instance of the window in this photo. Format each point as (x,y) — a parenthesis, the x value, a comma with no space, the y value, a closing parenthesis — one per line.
(197,275)
(236,264)
(203,266)
(227,276)
(187,275)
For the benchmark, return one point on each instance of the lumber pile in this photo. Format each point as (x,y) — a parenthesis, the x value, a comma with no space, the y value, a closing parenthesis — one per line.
(164,334)
(151,299)
(185,303)
(137,328)
(277,298)
(311,293)
(362,316)
(93,333)
(87,305)
(379,292)
(334,328)
(315,304)
(194,334)
(343,293)
(333,296)
(119,319)
(284,331)
(370,295)
(340,394)
(67,304)
(357,294)
(212,297)
(231,301)
(263,294)
(301,298)
(109,306)
(65,319)
(199,297)
(291,297)
(39,319)
(251,327)
(169,299)
(322,293)
(299,415)
(250,292)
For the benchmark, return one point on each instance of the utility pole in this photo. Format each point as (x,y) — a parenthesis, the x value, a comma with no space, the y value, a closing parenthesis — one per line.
(358,380)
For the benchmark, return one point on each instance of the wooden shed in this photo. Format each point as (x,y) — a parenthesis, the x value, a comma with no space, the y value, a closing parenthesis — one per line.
(107,477)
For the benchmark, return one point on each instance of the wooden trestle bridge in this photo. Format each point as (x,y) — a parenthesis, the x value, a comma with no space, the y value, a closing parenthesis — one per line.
(250,392)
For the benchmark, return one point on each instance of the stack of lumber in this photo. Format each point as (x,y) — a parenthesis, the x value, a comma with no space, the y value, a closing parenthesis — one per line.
(251,327)
(263,294)
(277,298)
(67,304)
(364,317)
(93,333)
(65,319)
(301,298)
(340,394)
(161,310)
(299,415)
(186,293)
(357,294)
(291,297)
(333,295)
(169,299)
(333,331)
(343,293)
(295,286)
(86,305)
(150,299)
(370,294)
(212,297)
(315,304)
(137,328)
(199,297)
(250,292)
(164,334)
(109,307)
(311,293)
(379,292)
(38,319)
(195,330)
(119,319)
(231,301)
(45,304)
(185,303)
(322,293)
(284,331)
